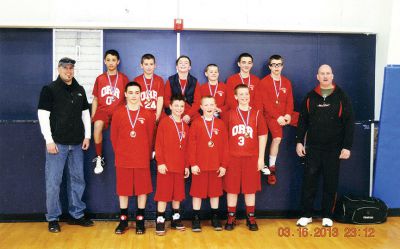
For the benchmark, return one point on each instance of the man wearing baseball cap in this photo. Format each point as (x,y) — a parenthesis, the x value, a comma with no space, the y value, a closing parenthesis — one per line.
(64,119)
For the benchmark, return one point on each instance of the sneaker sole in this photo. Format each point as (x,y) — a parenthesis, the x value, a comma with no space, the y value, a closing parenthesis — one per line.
(218,229)
(160,233)
(196,230)
(179,228)
(121,232)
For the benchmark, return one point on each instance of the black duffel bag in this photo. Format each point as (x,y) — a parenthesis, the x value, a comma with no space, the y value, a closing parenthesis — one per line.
(360,210)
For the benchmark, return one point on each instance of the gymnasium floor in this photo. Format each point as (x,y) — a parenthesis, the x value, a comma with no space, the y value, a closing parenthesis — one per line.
(273,233)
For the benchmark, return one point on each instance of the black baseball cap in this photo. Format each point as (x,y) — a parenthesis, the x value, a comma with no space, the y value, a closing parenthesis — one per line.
(66,61)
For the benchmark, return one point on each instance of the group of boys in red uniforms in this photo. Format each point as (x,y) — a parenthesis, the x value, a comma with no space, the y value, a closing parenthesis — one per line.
(227,140)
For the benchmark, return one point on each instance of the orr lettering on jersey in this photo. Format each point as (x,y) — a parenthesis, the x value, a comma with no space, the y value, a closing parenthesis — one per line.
(112,93)
(152,94)
(242,130)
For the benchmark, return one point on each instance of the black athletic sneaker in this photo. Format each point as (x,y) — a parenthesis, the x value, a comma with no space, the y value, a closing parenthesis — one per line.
(140,229)
(160,226)
(54,227)
(176,222)
(196,225)
(122,227)
(83,221)
(231,222)
(216,223)
(251,222)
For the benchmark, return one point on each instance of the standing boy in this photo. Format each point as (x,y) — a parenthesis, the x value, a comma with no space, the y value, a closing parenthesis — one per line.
(247,140)
(277,105)
(184,84)
(215,89)
(132,131)
(245,63)
(152,86)
(208,157)
(107,97)
(171,147)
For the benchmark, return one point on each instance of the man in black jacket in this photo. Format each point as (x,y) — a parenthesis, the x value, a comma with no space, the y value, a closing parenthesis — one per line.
(64,119)
(326,124)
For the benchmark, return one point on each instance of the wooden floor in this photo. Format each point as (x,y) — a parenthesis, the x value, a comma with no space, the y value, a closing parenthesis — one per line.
(273,233)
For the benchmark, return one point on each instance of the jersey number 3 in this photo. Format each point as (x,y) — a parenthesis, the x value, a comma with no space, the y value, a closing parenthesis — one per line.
(241,141)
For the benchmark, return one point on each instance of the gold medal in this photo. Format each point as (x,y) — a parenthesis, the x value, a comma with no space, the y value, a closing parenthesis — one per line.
(277,102)
(132,134)
(210,144)
(246,135)
(180,146)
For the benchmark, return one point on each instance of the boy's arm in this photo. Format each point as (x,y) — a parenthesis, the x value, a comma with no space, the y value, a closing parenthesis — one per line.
(289,103)
(192,146)
(262,132)
(262,143)
(230,96)
(167,94)
(114,131)
(160,105)
(225,148)
(159,147)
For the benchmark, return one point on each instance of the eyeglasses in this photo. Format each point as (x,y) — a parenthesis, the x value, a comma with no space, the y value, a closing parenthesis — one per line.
(276,64)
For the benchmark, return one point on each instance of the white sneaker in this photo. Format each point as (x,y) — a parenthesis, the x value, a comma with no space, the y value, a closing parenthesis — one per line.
(99,164)
(326,222)
(303,221)
(266,171)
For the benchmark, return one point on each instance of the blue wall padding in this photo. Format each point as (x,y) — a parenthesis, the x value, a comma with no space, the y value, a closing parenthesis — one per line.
(387,166)
(22,148)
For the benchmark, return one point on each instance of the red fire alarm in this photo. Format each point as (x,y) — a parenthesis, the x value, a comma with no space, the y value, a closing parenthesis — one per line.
(178,24)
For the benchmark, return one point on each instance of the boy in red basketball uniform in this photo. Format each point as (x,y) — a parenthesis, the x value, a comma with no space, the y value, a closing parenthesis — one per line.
(152,95)
(247,140)
(171,148)
(277,105)
(107,97)
(131,136)
(245,63)
(215,89)
(208,157)
(185,84)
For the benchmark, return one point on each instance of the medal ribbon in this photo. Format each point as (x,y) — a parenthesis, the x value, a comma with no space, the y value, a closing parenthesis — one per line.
(183,89)
(148,89)
(180,135)
(130,119)
(209,133)
(215,91)
(246,123)
(248,83)
(277,91)
(115,84)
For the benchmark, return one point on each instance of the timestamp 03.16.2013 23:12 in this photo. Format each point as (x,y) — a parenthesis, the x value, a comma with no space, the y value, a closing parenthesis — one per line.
(328,232)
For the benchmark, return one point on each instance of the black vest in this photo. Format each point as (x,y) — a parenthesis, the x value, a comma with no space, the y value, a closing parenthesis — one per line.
(189,90)
(66,115)
(176,89)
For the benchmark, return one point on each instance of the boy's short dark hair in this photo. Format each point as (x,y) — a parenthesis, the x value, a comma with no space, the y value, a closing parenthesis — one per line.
(244,55)
(240,86)
(112,52)
(177,97)
(210,65)
(132,83)
(206,97)
(181,57)
(275,57)
(147,57)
